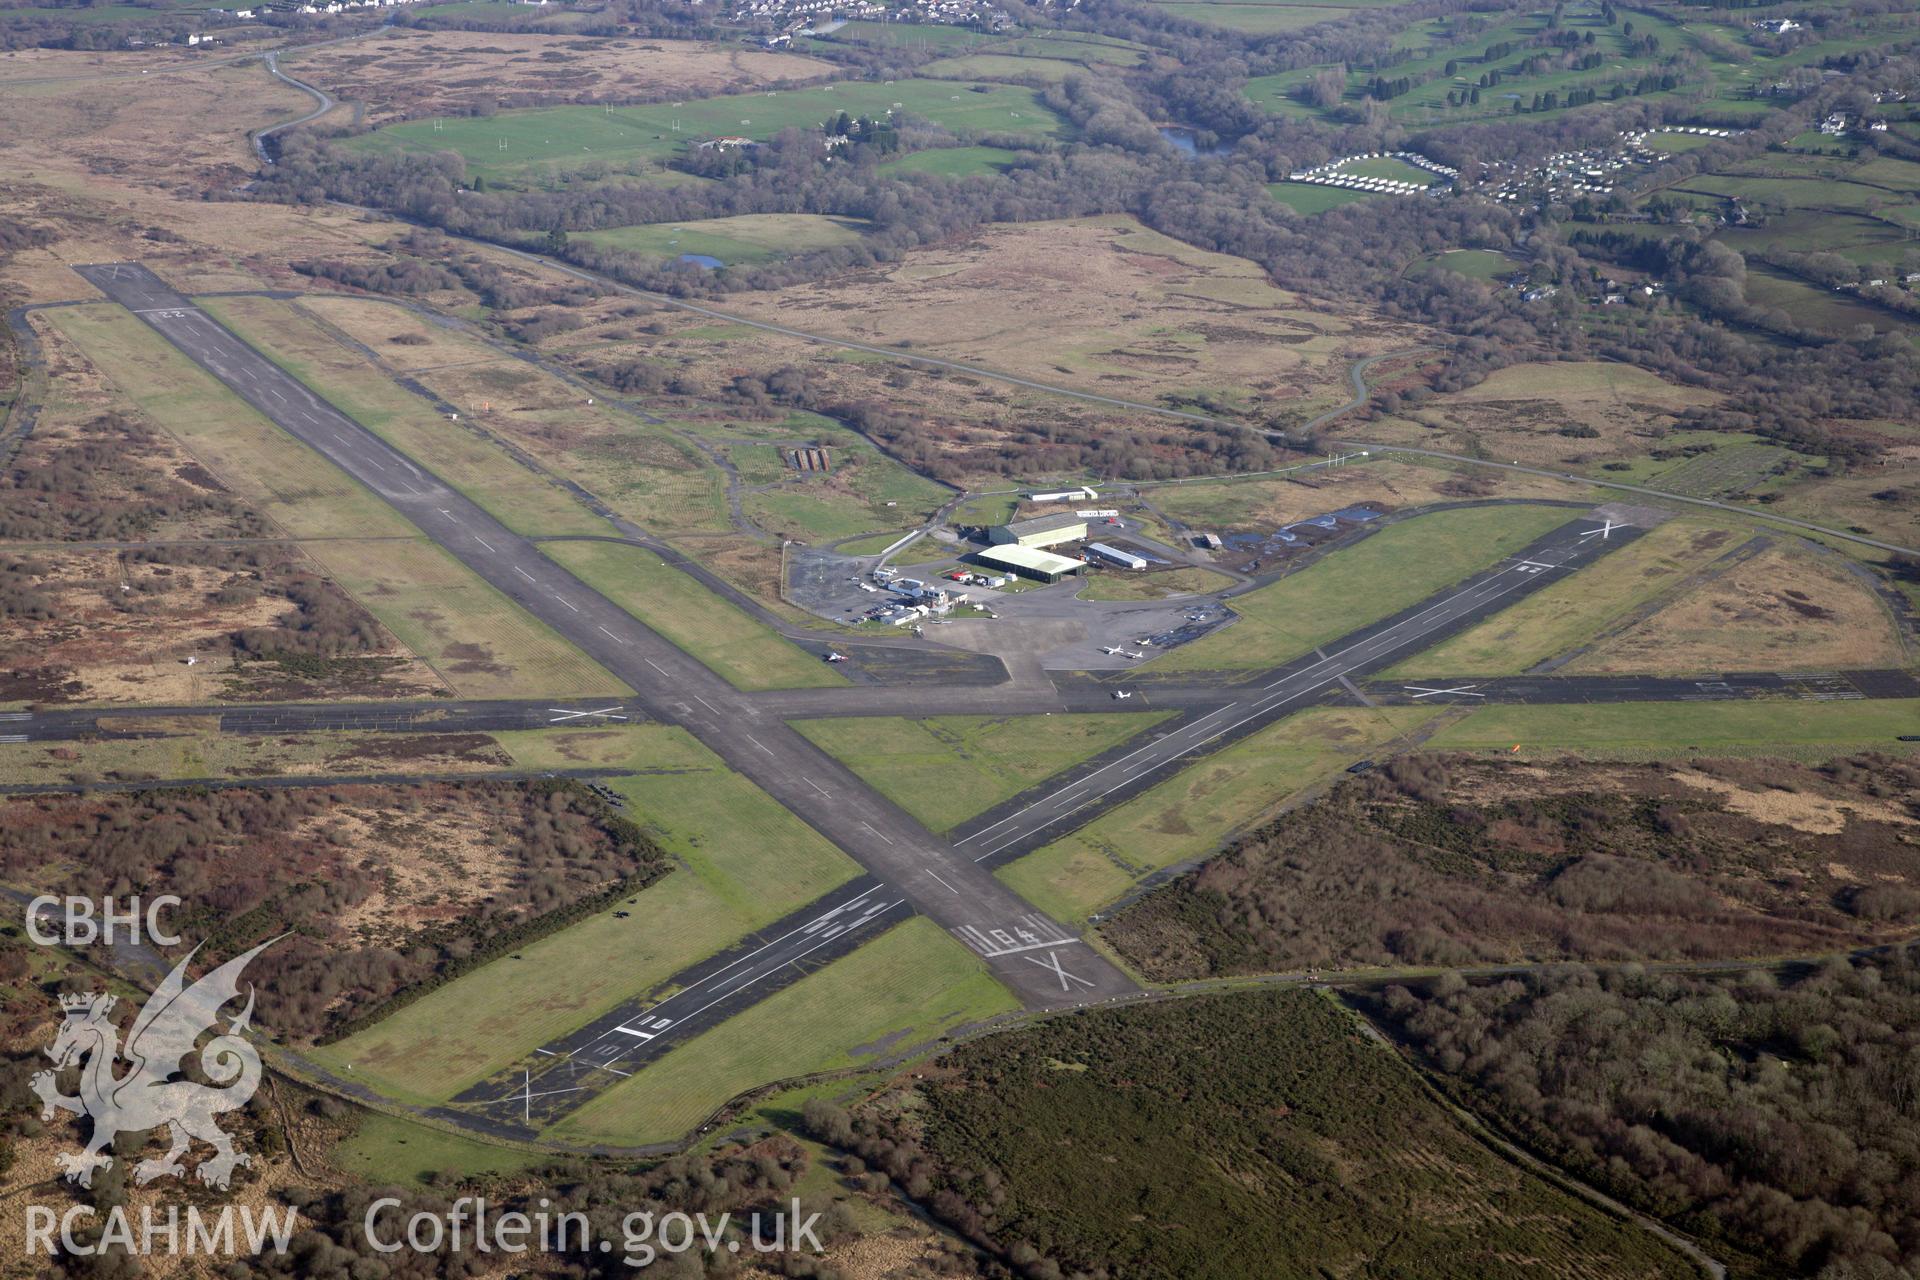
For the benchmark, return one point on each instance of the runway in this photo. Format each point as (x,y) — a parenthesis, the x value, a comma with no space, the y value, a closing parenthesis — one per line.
(907,868)
(1000,836)
(924,871)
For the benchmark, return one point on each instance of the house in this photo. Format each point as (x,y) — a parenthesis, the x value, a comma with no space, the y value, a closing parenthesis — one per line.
(1776,26)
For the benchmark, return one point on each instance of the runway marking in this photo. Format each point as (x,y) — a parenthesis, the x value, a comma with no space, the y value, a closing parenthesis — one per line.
(816,923)
(869,826)
(604,713)
(708,705)
(523,573)
(610,635)
(1464,690)
(943,884)
(756,742)
(1031,933)
(570,604)
(743,981)
(1052,963)
(656,666)
(816,786)
(483,542)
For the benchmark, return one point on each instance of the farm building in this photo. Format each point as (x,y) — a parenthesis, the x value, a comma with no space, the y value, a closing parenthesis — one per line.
(1030,562)
(1041,531)
(1115,556)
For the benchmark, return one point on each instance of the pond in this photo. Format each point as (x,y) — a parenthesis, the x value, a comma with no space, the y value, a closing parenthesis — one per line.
(703,260)
(1188,140)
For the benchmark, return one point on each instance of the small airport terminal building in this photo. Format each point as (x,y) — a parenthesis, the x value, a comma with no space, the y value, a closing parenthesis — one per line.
(1029,562)
(1041,531)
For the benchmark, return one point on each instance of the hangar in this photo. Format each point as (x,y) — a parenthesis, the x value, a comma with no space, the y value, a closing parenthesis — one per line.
(1031,562)
(1041,531)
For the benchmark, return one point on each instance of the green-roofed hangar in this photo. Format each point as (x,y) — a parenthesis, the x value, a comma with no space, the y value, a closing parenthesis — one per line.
(1030,562)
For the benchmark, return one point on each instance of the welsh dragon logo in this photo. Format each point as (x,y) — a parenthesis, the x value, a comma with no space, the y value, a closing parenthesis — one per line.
(146,1095)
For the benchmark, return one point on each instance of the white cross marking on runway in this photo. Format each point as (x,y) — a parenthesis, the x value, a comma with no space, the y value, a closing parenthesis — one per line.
(1052,962)
(1464,690)
(1603,531)
(608,713)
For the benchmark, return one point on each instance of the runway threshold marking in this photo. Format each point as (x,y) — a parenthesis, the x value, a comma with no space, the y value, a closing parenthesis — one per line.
(1464,690)
(1052,964)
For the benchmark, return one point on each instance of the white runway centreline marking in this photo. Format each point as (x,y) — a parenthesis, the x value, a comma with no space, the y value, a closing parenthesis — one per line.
(523,573)
(483,542)
(943,884)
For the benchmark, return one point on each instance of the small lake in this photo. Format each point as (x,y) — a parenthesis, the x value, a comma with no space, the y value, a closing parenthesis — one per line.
(702,260)
(1188,140)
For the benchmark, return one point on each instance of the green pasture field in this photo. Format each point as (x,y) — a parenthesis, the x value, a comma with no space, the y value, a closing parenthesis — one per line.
(1311,197)
(1663,730)
(745,863)
(739,648)
(1383,573)
(1192,813)
(903,989)
(1003,66)
(1252,18)
(389,1151)
(1575,609)
(1822,308)
(479,641)
(1390,168)
(947,769)
(746,238)
(1475,264)
(510,144)
(955,162)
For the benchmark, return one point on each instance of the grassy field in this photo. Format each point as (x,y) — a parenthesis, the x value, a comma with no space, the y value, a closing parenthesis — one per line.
(1573,610)
(745,863)
(1311,197)
(1399,566)
(390,1151)
(748,237)
(954,162)
(1153,586)
(1475,264)
(479,641)
(1262,17)
(946,769)
(1191,814)
(515,496)
(520,144)
(904,988)
(738,647)
(1390,168)
(1654,731)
